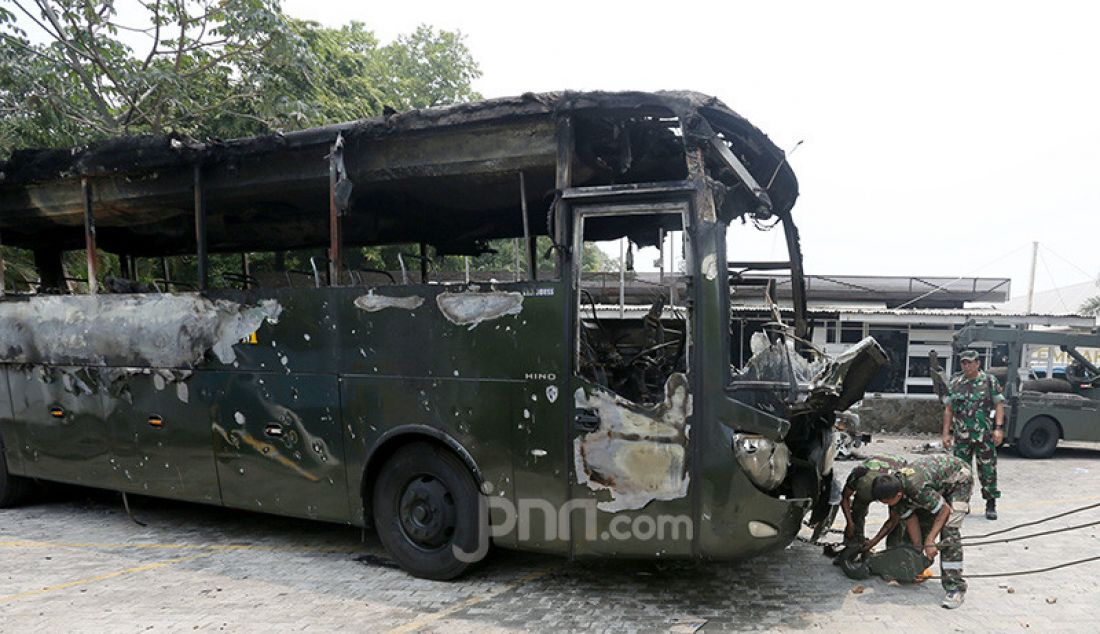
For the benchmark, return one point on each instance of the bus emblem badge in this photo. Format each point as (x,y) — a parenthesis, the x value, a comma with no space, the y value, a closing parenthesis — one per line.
(551,393)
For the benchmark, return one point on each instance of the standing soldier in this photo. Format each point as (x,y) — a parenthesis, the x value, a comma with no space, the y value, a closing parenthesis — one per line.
(971,395)
(940,485)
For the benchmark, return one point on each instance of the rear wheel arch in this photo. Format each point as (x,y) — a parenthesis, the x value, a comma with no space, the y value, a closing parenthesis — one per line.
(398,437)
(427,510)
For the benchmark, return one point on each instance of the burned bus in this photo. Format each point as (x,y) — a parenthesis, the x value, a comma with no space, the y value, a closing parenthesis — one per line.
(438,403)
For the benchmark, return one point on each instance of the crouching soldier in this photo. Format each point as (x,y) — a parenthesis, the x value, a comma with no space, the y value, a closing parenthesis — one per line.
(856,497)
(940,485)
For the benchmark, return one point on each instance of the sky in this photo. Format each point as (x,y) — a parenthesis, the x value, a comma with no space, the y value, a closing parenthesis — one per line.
(939,138)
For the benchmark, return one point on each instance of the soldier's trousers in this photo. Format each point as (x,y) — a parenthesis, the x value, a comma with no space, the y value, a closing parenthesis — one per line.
(984,452)
(951,552)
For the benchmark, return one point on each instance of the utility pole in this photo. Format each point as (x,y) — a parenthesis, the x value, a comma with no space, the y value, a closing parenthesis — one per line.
(622,278)
(1031,278)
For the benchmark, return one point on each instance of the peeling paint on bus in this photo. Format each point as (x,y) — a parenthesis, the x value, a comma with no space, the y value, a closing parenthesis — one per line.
(141,330)
(373,303)
(470,309)
(638,453)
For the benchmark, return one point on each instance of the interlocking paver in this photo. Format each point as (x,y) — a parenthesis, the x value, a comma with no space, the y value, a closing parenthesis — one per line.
(76,563)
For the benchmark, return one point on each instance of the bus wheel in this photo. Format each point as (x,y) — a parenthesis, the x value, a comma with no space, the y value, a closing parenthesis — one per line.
(426,512)
(13,489)
(1039,438)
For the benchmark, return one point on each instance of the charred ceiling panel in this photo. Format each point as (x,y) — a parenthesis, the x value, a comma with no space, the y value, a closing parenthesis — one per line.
(271,192)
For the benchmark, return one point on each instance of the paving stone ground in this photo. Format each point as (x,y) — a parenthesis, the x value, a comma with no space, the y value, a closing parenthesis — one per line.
(75,562)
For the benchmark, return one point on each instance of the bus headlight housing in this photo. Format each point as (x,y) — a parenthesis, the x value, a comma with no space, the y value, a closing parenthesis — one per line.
(763,459)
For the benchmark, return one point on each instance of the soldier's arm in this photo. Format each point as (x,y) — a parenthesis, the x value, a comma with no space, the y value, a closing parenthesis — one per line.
(999,424)
(997,395)
(945,434)
(846,507)
(998,392)
(891,522)
(846,500)
(930,548)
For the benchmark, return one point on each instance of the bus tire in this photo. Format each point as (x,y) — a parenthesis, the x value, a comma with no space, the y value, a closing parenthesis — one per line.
(425,507)
(1039,438)
(13,489)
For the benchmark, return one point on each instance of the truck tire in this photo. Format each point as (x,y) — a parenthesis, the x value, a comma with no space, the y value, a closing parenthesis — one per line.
(1039,438)
(426,507)
(13,489)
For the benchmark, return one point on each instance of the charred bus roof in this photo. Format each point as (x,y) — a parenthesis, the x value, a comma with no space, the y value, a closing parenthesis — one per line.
(418,175)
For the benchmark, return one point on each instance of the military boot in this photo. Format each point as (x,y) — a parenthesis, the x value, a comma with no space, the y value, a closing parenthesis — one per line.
(991,509)
(953,599)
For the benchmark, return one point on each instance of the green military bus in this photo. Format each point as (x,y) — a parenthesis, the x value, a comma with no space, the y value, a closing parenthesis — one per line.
(348,370)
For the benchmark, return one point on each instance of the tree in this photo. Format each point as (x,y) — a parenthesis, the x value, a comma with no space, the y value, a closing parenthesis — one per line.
(207,69)
(1091,307)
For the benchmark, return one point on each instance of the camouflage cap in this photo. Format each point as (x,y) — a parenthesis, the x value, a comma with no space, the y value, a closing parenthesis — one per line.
(968,355)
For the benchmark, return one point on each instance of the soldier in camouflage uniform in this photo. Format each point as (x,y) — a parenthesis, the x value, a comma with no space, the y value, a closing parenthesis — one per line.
(940,485)
(966,426)
(856,497)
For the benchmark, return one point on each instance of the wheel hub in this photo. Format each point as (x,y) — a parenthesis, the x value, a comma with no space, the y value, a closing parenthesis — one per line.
(427,512)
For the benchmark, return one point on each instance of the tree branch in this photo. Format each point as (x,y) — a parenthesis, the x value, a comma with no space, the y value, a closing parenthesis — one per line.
(31,50)
(133,29)
(135,102)
(98,100)
(183,17)
(156,41)
(221,58)
(224,102)
(195,47)
(36,20)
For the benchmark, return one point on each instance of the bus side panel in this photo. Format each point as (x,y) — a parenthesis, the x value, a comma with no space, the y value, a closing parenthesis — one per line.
(162,442)
(11,431)
(477,413)
(279,443)
(67,436)
(541,438)
(482,364)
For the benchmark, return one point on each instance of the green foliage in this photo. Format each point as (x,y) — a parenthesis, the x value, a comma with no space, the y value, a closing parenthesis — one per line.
(208,69)
(18,268)
(427,68)
(1091,307)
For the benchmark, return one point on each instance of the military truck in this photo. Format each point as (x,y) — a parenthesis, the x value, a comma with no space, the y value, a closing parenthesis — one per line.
(1040,411)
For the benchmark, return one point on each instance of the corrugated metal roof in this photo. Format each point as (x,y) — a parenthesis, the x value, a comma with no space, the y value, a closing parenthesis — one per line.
(854,313)
(879,310)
